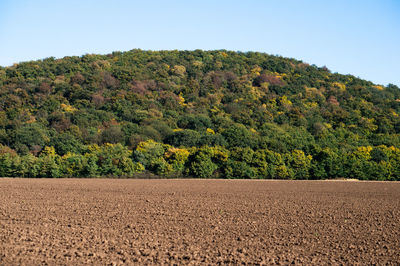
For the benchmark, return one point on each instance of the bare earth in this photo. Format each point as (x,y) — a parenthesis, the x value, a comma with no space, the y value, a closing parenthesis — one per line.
(108,221)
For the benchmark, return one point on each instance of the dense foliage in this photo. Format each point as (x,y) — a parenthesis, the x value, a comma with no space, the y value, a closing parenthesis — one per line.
(195,113)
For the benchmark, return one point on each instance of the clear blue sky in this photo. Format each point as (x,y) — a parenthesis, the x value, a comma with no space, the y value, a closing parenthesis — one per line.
(360,37)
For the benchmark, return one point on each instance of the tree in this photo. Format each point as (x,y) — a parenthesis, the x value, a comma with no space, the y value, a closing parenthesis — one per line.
(151,155)
(65,142)
(246,114)
(177,158)
(326,164)
(299,164)
(235,169)
(198,122)
(113,135)
(201,164)
(115,160)
(269,164)
(205,161)
(185,138)
(237,135)
(49,163)
(31,135)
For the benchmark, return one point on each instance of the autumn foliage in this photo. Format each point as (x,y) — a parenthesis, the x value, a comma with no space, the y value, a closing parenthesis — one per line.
(195,113)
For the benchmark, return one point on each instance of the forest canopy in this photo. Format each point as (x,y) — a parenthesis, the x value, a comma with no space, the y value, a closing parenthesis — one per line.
(208,114)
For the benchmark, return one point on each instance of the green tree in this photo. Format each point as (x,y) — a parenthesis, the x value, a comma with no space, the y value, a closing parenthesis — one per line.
(299,164)
(237,135)
(32,135)
(115,160)
(326,164)
(185,138)
(205,161)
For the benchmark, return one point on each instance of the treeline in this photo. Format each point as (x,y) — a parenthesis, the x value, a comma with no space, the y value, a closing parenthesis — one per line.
(93,115)
(115,160)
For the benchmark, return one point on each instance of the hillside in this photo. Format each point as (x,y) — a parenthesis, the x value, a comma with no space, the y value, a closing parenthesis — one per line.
(195,113)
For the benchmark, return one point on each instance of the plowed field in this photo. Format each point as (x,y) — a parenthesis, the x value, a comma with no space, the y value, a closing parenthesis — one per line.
(108,221)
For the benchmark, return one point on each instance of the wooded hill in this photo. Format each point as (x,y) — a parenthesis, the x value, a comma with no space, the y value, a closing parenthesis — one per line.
(196,113)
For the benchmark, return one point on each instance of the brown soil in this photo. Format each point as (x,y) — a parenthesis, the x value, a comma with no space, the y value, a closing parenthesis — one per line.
(106,221)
